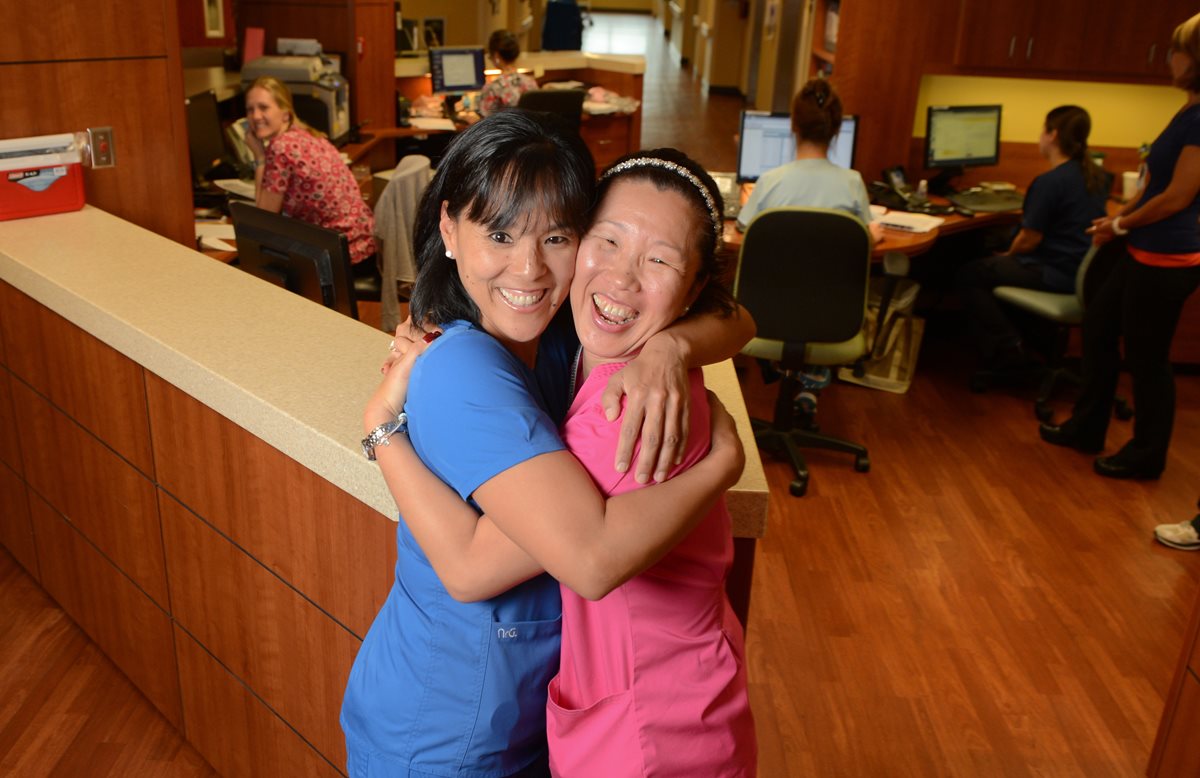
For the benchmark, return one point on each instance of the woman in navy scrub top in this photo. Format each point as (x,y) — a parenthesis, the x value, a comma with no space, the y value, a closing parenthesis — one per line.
(446,688)
(1141,300)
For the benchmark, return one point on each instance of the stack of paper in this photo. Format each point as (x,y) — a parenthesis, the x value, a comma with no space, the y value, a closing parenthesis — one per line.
(910,222)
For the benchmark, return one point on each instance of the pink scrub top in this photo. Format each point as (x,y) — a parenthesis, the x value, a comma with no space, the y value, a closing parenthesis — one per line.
(652,680)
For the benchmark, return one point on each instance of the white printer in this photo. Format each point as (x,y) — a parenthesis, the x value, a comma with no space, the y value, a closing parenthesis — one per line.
(319,92)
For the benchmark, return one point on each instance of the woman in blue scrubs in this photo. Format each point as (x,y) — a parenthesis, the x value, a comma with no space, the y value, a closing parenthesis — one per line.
(445,688)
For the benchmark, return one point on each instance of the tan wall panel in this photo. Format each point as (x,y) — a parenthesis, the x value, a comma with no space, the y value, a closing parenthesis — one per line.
(112,504)
(293,656)
(133,631)
(42,32)
(328,545)
(10,450)
(95,384)
(16,531)
(233,730)
(141,99)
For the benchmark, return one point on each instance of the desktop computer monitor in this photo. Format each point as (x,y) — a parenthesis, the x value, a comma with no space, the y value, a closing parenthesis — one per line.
(206,140)
(303,258)
(456,70)
(961,136)
(766,142)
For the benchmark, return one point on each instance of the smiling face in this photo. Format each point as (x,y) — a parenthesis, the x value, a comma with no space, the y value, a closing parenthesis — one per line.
(637,270)
(266,118)
(518,277)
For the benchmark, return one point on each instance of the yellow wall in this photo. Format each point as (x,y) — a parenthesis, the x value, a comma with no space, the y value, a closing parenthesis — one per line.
(1125,115)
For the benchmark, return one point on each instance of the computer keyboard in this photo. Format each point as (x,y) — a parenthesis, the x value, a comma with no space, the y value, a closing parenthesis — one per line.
(986,201)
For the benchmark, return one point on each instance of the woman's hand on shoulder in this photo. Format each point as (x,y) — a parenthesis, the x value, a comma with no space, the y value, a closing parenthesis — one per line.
(388,400)
(656,391)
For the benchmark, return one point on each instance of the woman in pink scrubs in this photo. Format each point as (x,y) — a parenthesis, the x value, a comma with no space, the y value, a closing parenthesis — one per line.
(652,678)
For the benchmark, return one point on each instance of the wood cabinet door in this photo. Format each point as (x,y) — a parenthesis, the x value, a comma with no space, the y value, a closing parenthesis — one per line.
(1132,38)
(1054,41)
(993,34)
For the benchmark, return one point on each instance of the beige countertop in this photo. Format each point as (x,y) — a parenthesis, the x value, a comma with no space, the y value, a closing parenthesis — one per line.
(291,372)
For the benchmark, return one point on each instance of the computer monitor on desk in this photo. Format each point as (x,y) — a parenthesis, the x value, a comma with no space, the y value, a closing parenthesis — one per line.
(456,70)
(303,258)
(767,142)
(960,136)
(210,157)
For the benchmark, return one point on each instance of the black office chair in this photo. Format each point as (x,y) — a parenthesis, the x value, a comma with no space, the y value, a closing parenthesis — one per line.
(567,103)
(803,274)
(1065,310)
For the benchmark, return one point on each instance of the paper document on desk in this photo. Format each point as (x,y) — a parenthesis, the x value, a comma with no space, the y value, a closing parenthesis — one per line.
(215,235)
(237,186)
(910,222)
(426,123)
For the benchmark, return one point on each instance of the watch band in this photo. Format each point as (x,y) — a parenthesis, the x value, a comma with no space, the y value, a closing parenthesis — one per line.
(1117,228)
(382,435)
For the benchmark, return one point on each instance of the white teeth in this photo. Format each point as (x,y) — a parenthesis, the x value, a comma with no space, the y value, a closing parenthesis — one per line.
(617,314)
(521,299)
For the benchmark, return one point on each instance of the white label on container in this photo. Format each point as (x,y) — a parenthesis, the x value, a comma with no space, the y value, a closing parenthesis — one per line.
(37,180)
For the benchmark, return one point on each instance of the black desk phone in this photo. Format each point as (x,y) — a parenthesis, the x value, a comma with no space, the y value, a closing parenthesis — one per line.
(895,193)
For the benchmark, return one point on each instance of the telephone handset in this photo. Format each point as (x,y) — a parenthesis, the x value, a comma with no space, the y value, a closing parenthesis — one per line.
(895,192)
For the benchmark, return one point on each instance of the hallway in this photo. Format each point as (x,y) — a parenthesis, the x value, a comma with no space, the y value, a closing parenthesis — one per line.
(675,111)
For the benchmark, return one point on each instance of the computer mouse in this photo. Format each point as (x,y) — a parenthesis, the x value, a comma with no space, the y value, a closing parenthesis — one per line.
(961,211)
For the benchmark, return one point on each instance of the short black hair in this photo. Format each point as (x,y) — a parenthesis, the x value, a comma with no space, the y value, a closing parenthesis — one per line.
(505,170)
(715,296)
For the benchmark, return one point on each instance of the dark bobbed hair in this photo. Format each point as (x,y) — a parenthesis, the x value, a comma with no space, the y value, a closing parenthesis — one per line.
(1186,39)
(506,171)
(715,295)
(1073,125)
(816,112)
(504,45)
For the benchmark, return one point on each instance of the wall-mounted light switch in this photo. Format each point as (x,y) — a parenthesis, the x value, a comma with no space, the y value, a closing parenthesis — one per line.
(100,141)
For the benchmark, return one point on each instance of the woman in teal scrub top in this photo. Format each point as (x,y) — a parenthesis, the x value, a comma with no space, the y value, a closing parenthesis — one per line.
(445,688)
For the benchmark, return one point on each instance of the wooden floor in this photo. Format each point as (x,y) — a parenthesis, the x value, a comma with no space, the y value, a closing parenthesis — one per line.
(979,604)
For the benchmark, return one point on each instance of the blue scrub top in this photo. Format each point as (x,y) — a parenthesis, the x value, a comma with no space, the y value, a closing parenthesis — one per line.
(1176,234)
(441,687)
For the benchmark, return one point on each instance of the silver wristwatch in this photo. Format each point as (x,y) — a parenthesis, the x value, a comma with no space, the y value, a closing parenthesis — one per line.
(382,435)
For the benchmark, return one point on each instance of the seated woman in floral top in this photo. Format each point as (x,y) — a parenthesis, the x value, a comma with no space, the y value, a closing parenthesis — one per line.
(506,90)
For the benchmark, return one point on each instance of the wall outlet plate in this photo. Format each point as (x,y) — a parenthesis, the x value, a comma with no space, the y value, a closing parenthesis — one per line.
(101,148)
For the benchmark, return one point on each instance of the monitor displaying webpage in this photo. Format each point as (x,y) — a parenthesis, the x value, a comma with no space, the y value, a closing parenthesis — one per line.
(767,142)
(963,135)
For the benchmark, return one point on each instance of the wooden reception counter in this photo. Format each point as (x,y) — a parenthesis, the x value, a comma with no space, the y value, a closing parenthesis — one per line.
(180,470)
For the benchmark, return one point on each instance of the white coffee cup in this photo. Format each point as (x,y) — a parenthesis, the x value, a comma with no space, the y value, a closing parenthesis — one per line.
(1129,184)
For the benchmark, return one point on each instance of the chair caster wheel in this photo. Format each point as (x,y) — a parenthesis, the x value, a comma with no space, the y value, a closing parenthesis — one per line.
(979,384)
(1123,411)
(1043,412)
(862,465)
(798,487)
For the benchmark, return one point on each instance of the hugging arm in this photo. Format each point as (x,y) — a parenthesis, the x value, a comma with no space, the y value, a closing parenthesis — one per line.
(550,508)
(556,518)
(655,385)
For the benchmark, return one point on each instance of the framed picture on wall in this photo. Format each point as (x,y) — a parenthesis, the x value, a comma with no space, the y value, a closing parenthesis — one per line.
(214,18)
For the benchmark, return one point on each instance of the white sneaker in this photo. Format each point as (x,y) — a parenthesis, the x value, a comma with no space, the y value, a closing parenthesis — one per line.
(1182,536)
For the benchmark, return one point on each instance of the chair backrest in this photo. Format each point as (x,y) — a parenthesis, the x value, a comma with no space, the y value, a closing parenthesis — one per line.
(395,213)
(567,103)
(1081,274)
(1095,267)
(803,273)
